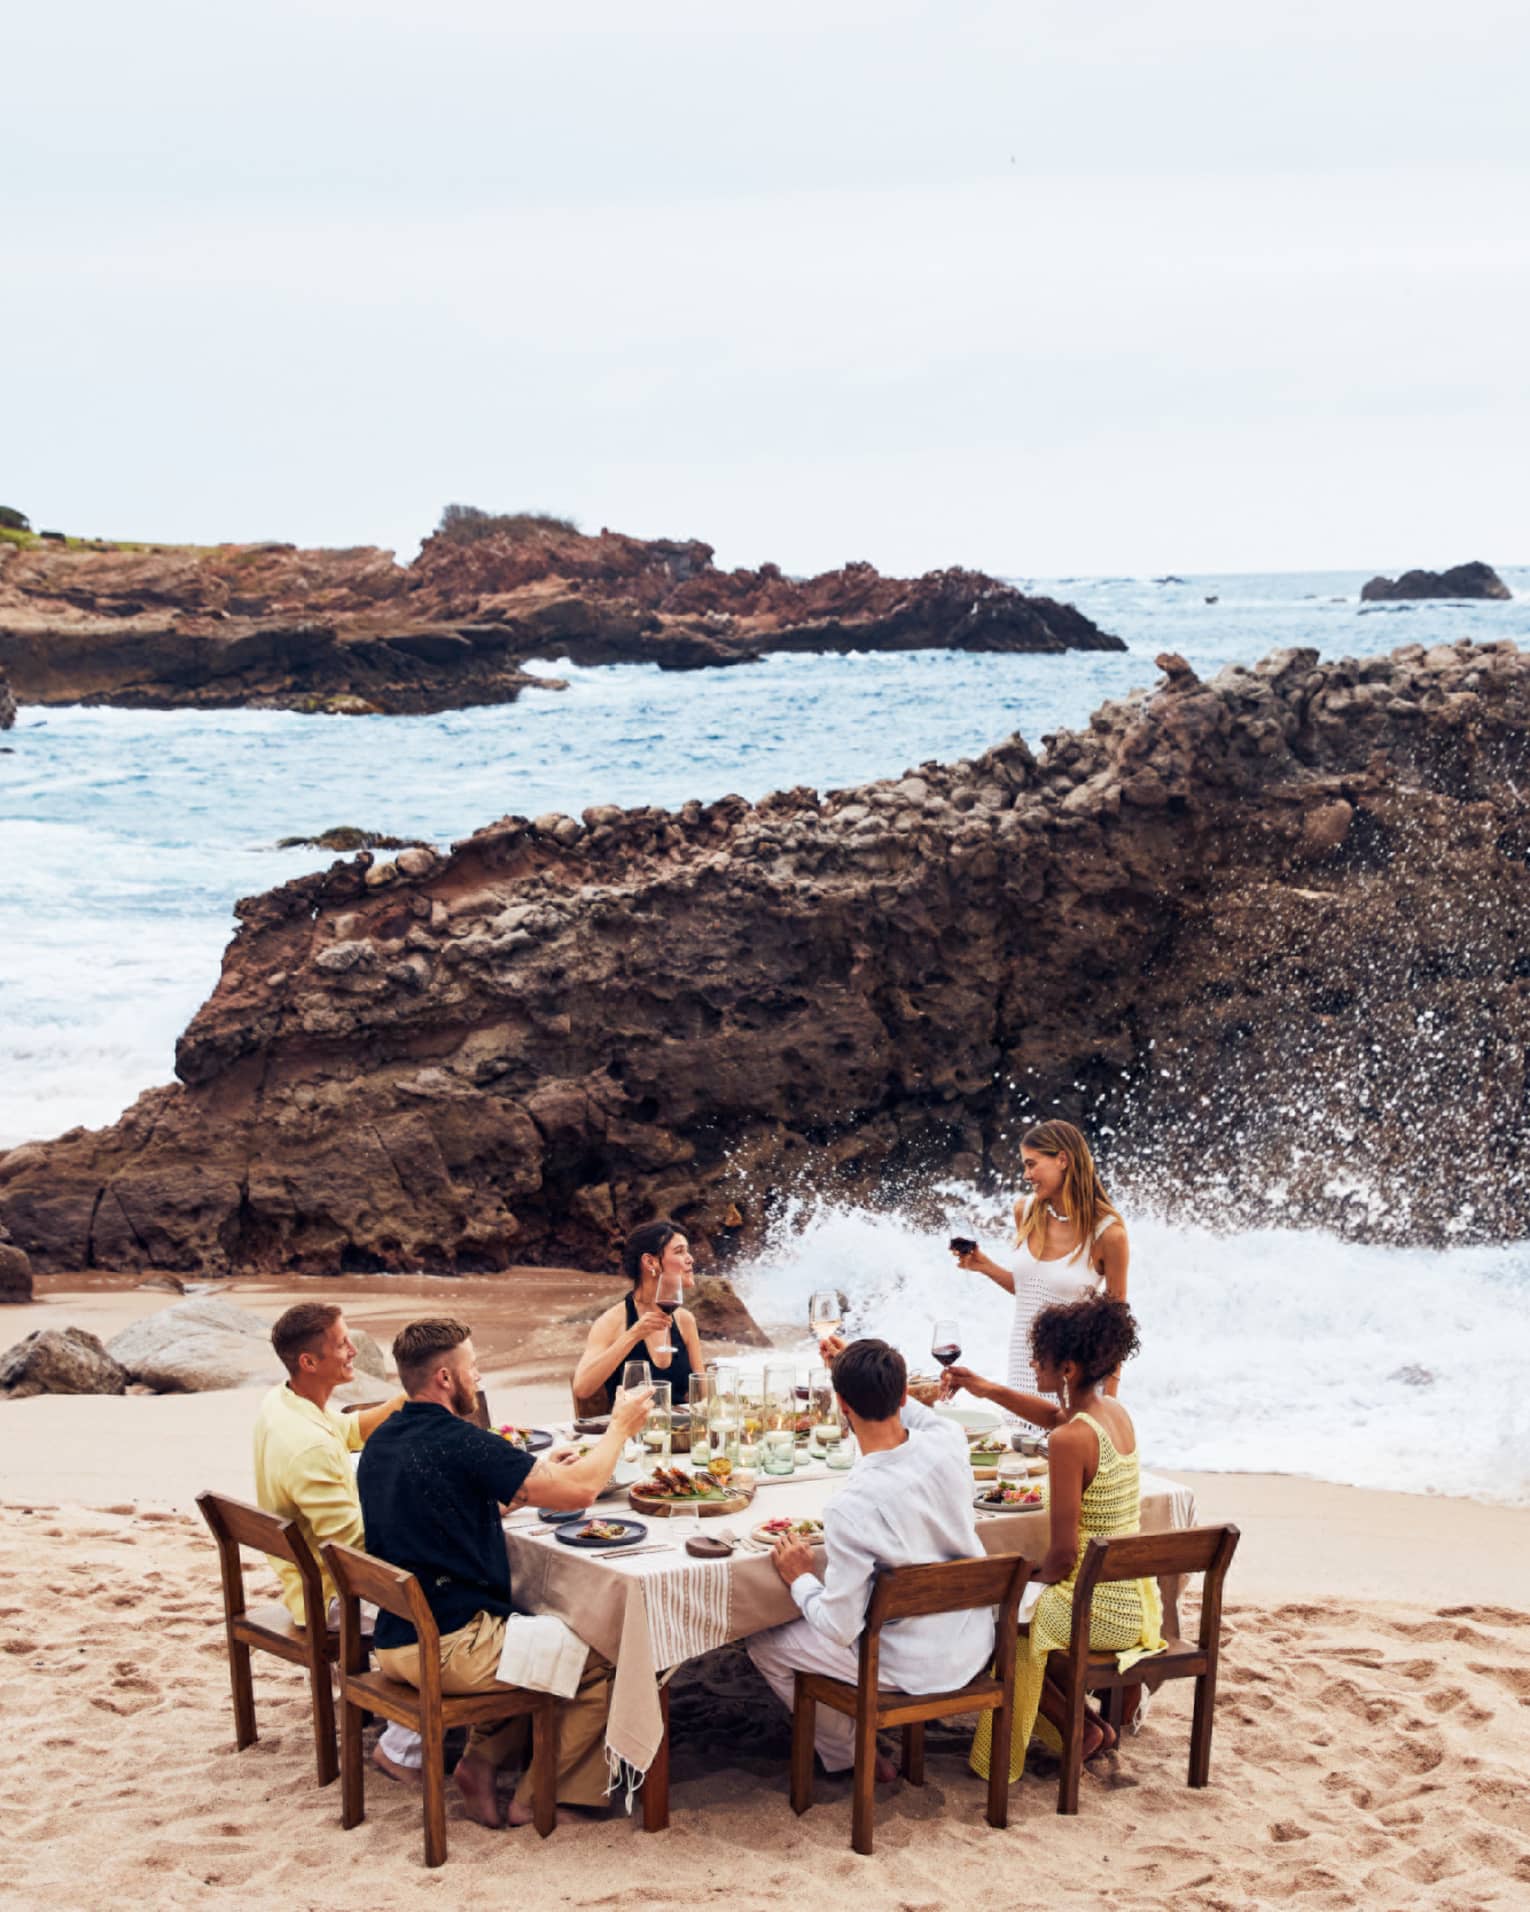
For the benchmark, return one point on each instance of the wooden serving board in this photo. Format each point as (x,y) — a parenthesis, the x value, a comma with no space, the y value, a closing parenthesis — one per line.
(642,1503)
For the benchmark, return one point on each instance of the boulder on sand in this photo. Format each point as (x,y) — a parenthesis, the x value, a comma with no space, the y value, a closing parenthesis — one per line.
(198,1345)
(15,1270)
(720,1315)
(60,1361)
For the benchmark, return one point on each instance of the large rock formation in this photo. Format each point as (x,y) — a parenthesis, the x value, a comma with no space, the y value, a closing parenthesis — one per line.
(1267,936)
(7,703)
(1474,580)
(351,631)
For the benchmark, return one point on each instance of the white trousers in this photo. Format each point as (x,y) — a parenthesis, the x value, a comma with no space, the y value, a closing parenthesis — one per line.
(783,1651)
(400,1743)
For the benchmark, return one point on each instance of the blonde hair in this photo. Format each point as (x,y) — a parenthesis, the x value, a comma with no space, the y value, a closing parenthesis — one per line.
(1082,1195)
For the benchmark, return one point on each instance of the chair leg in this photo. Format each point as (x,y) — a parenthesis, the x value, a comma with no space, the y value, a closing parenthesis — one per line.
(544,1768)
(323,1722)
(863,1795)
(244,1693)
(1072,1751)
(804,1718)
(913,1753)
(1200,1729)
(433,1779)
(353,1805)
(998,1758)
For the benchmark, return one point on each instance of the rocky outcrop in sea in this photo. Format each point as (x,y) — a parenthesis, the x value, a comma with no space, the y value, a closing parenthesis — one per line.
(1474,580)
(352,632)
(1267,937)
(7,703)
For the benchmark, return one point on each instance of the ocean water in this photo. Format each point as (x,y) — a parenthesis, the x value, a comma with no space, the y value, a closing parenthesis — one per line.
(125,838)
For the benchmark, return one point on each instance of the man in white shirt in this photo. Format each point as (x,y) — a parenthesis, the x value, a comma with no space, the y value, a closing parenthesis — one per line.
(906,1502)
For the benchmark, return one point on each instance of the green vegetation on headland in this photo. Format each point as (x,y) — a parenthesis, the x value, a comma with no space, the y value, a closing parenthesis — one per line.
(465,523)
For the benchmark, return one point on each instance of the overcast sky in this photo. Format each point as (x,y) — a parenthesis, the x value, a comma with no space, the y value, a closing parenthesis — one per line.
(1038,287)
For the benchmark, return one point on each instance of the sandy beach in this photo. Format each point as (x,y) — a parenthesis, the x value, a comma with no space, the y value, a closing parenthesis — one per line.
(1371,1740)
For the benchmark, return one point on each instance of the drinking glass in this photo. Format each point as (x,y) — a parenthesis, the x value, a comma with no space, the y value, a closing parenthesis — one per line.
(668,1296)
(842,1454)
(780,1405)
(635,1377)
(696,1401)
(778,1448)
(722,1421)
(657,1429)
(946,1342)
(823,1414)
(1011,1471)
(751,1408)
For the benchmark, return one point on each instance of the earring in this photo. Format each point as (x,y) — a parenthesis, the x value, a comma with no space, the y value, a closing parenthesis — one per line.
(1067,1397)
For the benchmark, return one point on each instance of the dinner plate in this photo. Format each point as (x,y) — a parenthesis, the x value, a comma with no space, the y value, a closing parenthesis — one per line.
(633,1530)
(555,1516)
(994,1507)
(758,1537)
(975,1420)
(537,1439)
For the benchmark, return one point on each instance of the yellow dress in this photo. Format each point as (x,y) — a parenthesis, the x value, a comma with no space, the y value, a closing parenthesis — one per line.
(1126,1617)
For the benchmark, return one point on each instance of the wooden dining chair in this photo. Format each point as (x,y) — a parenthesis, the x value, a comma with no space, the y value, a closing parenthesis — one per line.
(271,1628)
(481,1411)
(425,1708)
(902,1593)
(1203,1550)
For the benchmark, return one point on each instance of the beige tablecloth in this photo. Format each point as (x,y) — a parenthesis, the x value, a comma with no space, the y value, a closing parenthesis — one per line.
(649,1612)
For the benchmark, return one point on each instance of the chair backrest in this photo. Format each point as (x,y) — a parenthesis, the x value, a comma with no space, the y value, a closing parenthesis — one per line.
(481,1410)
(236,1524)
(944,1586)
(360,1576)
(1205,1550)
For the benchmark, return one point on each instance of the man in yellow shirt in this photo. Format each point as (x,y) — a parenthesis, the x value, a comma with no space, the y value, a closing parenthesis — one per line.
(303,1468)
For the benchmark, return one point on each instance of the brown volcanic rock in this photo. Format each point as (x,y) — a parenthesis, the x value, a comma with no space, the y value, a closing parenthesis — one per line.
(1474,580)
(7,703)
(352,631)
(1274,925)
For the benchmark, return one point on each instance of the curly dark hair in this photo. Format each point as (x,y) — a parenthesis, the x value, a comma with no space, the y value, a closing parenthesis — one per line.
(1099,1334)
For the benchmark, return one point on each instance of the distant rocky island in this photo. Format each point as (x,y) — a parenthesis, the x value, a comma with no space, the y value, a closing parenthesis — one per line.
(1474,580)
(1212,925)
(353,632)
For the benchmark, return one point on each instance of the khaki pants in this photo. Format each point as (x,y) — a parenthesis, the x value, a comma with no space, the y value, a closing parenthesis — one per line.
(469,1660)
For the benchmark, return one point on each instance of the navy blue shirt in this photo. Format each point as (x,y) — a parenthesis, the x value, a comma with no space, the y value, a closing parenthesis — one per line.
(431,1487)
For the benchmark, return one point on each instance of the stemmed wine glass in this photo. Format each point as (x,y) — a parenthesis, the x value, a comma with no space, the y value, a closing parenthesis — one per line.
(826,1313)
(946,1342)
(668,1296)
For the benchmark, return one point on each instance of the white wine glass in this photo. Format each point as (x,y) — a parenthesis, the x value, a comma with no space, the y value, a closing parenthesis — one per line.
(826,1313)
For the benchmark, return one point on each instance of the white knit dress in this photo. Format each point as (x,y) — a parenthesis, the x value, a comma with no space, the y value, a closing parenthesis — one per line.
(1045,1284)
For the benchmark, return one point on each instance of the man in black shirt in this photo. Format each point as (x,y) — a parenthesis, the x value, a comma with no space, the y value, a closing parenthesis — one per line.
(431,1500)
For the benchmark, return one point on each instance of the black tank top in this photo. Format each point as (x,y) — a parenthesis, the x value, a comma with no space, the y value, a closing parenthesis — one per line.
(678,1373)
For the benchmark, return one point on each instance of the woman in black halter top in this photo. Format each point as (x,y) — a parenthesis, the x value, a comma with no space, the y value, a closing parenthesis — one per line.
(635,1327)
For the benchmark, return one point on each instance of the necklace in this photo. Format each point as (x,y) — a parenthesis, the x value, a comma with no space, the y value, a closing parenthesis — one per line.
(1054,1214)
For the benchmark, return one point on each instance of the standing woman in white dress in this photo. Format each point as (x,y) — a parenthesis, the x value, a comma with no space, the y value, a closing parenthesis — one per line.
(1070,1241)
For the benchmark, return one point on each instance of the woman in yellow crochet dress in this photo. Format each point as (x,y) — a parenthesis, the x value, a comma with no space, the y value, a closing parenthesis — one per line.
(1092,1489)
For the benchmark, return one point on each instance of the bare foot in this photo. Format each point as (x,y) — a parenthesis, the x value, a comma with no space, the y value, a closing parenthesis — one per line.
(1099,1737)
(520,1815)
(887,1770)
(405,1775)
(475,1781)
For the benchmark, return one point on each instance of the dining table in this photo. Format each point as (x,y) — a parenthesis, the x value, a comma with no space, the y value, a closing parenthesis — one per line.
(652,1606)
